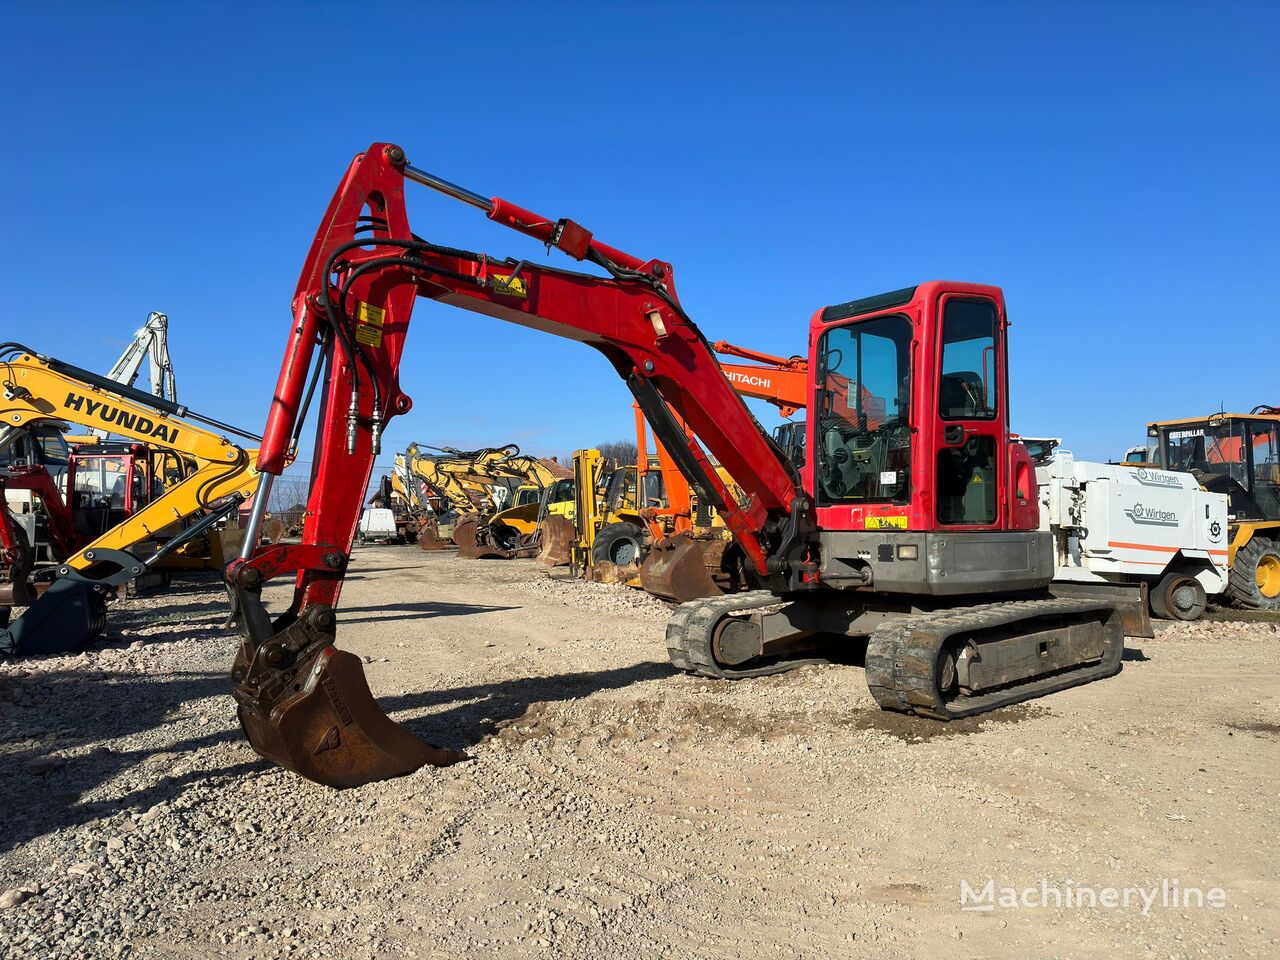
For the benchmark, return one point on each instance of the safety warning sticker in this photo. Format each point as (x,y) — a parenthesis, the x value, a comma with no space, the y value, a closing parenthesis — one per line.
(885,523)
(369,324)
(509,284)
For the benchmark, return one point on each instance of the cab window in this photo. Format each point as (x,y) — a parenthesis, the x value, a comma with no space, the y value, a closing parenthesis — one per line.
(1266,467)
(862,440)
(967,390)
(561,491)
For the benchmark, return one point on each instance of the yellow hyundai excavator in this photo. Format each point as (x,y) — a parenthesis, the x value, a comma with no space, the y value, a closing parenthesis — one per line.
(220,476)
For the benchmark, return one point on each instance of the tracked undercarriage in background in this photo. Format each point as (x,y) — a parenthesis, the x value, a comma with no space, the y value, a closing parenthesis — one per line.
(911,528)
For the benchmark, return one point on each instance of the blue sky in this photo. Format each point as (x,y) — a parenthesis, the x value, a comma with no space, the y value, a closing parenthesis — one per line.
(1112,166)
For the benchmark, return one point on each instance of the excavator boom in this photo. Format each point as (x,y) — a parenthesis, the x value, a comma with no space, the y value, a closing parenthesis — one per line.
(302,703)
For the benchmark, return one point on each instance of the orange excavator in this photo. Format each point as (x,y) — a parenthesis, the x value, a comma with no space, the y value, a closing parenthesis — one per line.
(911,535)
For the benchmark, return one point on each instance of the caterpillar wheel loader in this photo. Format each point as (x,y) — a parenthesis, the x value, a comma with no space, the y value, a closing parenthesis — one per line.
(637,509)
(100,547)
(605,537)
(915,539)
(1237,454)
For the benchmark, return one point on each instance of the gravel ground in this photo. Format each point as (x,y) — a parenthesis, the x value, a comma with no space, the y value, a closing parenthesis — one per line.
(613,808)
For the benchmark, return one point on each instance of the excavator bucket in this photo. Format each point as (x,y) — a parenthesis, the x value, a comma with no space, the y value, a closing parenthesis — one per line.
(429,536)
(558,537)
(473,546)
(466,534)
(332,731)
(677,569)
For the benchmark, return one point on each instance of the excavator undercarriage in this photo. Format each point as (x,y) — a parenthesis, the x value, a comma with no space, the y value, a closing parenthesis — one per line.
(944,663)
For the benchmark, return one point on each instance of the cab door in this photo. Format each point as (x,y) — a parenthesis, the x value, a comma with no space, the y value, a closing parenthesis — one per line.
(969,412)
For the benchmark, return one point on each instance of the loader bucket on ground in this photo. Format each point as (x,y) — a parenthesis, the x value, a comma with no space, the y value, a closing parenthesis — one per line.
(558,537)
(466,534)
(429,536)
(332,731)
(274,530)
(676,569)
(627,575)
(473,546)
(68,614)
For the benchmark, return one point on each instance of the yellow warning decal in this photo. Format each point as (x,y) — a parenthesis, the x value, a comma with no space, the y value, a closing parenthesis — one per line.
(369,321)
(508,284)
(885,523)
(368,313)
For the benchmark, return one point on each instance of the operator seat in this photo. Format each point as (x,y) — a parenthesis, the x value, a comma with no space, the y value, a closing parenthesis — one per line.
(961,396)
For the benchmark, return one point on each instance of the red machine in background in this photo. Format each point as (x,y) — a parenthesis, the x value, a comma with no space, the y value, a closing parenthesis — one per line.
(102,485)
(913,527)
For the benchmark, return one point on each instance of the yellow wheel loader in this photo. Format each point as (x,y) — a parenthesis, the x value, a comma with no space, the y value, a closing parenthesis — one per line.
(606,534)
(216,477)
(628,531)
(1237,454)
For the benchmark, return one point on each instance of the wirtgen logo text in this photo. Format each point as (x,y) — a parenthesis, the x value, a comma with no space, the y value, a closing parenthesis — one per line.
(1168,894)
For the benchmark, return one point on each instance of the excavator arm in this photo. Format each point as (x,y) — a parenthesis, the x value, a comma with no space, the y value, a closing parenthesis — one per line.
(305,704)
(456,475)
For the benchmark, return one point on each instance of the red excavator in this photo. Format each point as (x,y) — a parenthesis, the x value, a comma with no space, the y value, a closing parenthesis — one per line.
(912,528)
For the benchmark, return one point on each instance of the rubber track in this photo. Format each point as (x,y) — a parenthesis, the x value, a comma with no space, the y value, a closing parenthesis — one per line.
(902,654)
(692,626)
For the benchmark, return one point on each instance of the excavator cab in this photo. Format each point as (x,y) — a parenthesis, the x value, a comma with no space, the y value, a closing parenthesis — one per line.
(107,484)
(790,437)
(912,467)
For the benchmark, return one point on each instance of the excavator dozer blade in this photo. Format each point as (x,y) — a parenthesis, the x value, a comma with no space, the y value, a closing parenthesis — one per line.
(676,569)
(332,731)
(558,537)
(429,537)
